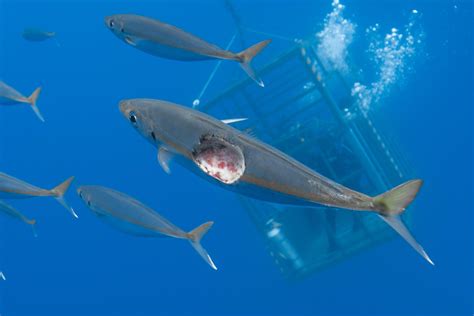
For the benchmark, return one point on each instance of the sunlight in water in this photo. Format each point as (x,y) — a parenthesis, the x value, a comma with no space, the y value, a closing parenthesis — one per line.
(391,56)
(335,38)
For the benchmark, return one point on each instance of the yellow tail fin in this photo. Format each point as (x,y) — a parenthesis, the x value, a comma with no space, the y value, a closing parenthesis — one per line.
(246,57)
(195,237)
(396,200)
(32,100)
(392,203)
(59,192)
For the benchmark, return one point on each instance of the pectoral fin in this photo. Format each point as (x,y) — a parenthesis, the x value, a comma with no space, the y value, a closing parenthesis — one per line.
(130,40)
(164,158)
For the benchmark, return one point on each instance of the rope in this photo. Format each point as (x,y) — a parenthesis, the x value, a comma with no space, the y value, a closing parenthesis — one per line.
(197,101)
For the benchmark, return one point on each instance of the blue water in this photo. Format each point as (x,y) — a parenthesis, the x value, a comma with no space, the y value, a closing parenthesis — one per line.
(82,267)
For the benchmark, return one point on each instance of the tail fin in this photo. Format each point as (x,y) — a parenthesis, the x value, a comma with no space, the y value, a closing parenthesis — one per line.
(32,222)
(195,237)
(397,224)
(246,57)
(32,100)
(59,192)
(53,35)
(394,202)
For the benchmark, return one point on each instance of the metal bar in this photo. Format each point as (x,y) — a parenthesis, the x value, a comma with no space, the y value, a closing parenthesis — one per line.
(356,143)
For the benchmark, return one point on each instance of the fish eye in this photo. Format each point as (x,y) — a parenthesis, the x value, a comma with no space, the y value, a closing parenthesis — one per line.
(111,23)
(132,117)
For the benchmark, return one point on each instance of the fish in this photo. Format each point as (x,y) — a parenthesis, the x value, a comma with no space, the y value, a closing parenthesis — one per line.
(13,188)
(226,156)
(9,210)
(9,96)
(37,35)
(167,41)
(2,276)
(131,216)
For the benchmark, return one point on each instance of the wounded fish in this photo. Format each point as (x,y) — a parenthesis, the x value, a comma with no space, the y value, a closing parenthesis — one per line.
(37,35)
(167,41)
(9,96)
(13,188)
(238,162)
(9,210)
(133,217)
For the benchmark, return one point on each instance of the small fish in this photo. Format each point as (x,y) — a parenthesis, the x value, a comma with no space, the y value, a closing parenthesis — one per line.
(13,188)
(167,41)
(9,210)
(9,96)
(238,162)
(131,216)
(2,276)
(37,35)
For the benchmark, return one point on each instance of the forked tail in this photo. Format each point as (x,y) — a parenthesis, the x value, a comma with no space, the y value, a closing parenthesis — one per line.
(246,57)
(32,223)
(32,100)
(59,192)
(392,203)
(195,237)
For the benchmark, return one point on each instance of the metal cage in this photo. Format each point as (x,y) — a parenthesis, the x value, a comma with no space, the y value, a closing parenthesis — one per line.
(307,111)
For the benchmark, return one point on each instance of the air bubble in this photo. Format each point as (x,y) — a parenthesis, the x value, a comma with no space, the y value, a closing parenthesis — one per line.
(391,54)
(335,38)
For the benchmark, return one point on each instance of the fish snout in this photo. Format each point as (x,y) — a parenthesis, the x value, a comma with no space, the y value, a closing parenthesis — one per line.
(109,22)
(129,111)
(125,107)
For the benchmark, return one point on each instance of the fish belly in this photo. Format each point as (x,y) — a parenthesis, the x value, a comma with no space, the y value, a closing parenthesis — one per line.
(245,189)
(169,52)
(127,228)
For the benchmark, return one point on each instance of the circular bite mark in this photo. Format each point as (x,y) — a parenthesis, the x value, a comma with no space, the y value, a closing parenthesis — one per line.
(219,159)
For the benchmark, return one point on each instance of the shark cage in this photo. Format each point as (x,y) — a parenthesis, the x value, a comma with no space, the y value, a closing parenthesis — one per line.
(307,111)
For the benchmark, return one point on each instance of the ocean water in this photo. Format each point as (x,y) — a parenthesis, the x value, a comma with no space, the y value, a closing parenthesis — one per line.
(413,61)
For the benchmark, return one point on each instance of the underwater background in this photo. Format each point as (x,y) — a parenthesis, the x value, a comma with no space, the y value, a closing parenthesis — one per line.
(422,90)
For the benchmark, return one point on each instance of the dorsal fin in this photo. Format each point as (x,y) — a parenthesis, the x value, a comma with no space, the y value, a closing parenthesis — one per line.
(230,121)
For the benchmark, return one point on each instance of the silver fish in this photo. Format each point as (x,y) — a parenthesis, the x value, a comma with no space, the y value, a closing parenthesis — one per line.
(37,35)
(13,188)
(167,41)
(2,276)
(9,96)
(9,210)
(132,216)
(238,162)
